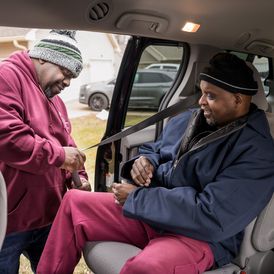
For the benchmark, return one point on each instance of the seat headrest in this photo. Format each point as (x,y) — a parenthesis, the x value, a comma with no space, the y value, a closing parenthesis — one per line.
(259,98)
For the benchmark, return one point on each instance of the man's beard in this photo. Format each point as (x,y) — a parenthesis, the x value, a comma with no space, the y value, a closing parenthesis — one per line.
(48,92)
(211,122)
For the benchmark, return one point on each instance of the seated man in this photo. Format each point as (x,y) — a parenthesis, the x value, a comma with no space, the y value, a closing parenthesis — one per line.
(189,195)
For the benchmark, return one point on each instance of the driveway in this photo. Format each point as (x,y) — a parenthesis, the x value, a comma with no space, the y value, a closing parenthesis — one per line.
(75,109)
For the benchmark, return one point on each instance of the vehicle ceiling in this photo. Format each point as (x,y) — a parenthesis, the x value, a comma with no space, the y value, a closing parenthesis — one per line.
(243,25)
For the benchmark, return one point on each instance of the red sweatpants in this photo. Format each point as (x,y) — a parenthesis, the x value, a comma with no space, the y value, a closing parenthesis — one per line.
(88,216)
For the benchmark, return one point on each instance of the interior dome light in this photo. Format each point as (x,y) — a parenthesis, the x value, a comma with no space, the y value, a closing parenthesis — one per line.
(190,27)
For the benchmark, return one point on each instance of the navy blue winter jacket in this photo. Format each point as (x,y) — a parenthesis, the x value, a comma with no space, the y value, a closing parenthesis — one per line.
(214,190)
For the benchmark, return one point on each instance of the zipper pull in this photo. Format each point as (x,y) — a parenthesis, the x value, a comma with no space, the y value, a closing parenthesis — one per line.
(175,163)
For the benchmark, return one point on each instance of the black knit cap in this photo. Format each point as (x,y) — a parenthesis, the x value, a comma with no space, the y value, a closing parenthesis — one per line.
(230,73)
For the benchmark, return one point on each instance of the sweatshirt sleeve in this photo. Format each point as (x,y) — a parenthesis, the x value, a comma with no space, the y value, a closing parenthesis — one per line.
(20,147)
(82,173)
(222,209)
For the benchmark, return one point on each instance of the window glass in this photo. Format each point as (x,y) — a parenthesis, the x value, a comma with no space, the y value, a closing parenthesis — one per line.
(151,77)
(155,66)
(262,65)
(171,67)
(167,78)
(137,78)
(155,76)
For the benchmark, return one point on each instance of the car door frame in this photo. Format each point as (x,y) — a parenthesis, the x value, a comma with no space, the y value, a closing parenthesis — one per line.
(109,157)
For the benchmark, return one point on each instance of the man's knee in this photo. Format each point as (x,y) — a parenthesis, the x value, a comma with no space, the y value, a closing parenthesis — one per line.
(74,196)
(78,199)
(71,198)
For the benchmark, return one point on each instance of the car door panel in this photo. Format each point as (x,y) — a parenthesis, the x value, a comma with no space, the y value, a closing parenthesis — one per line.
(131,143)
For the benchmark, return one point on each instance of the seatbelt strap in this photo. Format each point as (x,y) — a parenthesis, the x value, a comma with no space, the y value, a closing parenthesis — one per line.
(165,113)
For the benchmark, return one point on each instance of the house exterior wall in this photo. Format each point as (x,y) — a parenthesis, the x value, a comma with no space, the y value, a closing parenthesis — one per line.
(8,47)
(98,62)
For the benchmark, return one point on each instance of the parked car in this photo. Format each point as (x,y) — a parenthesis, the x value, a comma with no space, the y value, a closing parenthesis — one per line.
(97,95)
(149,87)
(166,66)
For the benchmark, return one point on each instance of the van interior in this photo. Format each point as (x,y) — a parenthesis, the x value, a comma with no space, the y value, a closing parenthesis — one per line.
(181,32)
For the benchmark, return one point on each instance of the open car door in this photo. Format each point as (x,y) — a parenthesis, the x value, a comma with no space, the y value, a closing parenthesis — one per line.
(136,87)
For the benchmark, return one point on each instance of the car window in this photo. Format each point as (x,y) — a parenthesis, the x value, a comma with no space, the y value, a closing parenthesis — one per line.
(153,77)
(262,65)
(170,67)
(137,78)
(152,83)
(166,78)
(155,66)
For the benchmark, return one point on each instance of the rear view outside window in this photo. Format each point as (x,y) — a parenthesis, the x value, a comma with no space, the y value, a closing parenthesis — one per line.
(155,76)
(262,65)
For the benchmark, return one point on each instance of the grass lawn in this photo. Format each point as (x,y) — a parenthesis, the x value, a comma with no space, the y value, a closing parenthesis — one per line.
(87,131)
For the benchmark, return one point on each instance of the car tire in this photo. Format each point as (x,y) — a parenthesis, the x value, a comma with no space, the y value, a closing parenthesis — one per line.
(98,102)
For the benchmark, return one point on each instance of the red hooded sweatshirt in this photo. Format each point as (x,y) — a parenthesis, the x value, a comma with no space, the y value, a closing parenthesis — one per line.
(33,130)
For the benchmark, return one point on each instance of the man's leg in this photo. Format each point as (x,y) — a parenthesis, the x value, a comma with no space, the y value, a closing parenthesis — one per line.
(35,248)
(171,254)
(12,248)
(87,216)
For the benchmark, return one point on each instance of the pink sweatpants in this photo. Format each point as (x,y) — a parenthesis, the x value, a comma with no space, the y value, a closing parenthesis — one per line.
(85,216)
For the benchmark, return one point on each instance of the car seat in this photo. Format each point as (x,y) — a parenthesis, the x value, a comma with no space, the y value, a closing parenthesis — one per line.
(255,256)
(3,209)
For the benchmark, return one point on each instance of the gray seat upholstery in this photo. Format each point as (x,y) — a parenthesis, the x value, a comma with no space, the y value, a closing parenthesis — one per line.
(255,256)
(3,209)
(108,257)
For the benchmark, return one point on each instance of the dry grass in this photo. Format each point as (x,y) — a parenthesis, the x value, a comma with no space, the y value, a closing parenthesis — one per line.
(86,131)
(81,268)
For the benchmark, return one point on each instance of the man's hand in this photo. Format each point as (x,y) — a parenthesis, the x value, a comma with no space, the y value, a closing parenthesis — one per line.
(121,192)
(142,171)
(74,159)
(84,186)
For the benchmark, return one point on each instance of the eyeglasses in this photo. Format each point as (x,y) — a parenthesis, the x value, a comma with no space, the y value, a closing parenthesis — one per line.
(67,74)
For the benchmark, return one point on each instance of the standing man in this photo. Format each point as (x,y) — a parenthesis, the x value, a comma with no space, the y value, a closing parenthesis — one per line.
(38,153)
(192,192)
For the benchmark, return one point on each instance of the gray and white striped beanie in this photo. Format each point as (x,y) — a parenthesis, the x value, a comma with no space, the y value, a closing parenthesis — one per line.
(60,48)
